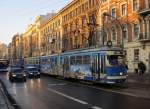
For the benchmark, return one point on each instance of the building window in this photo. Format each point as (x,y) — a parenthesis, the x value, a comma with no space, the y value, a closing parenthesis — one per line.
(136,54)
(135,31)
(104,1)
(113,12)
(124,9)
(114,34)
(148,3)
(125,32)
(84,22)
(135,5)
(149,26)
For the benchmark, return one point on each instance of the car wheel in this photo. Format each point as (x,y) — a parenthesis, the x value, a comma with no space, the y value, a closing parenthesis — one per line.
(11,79)
(38,76)
(25,79)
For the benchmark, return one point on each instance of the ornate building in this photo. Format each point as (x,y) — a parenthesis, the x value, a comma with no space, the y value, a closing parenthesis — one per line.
(79,24)
(91,23)
(16,47)
(51,35)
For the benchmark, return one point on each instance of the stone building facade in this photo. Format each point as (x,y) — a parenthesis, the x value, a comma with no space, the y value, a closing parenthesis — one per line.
(91,23)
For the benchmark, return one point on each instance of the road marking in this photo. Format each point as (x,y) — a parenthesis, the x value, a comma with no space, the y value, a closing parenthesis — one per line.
(59,84)
(113,91)
(74,99)
(95,107)
(69,97)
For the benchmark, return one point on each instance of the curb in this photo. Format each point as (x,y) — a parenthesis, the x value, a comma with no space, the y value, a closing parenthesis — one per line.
(8,95)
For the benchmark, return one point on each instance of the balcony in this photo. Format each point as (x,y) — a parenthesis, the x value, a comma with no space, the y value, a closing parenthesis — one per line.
(145,12)
(143,38)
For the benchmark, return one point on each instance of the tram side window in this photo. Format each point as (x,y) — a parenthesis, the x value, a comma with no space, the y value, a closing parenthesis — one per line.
(86,59)
(66,63)
(79,60)
(61,60)
(72,60)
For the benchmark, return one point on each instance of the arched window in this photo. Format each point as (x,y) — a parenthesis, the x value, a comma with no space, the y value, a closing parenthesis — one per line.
(149,25)
(125,32)
(114,34)
(136,30)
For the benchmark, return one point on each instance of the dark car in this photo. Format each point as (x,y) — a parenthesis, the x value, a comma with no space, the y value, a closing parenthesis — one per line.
(32,72)
(16,73)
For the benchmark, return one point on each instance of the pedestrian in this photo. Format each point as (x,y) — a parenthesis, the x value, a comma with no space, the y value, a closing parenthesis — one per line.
(126,66)
(141,67)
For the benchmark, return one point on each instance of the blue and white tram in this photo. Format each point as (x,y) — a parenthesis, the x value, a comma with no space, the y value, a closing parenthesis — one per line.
(50,64)
(105,64)
(102,65)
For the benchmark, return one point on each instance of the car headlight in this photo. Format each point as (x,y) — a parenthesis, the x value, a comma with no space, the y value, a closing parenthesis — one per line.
(13,75)
(31,73)
(24,74)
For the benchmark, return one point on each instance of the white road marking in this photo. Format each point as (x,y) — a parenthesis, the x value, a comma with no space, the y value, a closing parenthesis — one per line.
(59,84)
(113,91)
(109,90)
(95,107)
(66,96)
(74,99)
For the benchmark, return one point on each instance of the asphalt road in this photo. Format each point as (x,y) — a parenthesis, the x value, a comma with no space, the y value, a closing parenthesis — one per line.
(51,93)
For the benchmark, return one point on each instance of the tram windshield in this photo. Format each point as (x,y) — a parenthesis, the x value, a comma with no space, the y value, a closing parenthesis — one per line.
(115,59)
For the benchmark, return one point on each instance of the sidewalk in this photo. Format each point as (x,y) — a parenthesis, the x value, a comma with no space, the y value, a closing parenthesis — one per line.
(4,102)
(139,79)
(137,85)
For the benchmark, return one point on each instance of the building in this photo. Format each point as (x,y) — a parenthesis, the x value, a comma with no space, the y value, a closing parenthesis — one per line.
(121,23)
(32,37)
(91,23)
(80,24)
(3,51)
(51,35)
(144,37)
(16,47)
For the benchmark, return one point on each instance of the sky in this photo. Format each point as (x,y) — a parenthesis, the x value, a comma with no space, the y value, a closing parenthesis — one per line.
(15,15)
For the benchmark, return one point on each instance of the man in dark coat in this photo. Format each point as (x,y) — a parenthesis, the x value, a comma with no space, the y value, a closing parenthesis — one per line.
(141,67)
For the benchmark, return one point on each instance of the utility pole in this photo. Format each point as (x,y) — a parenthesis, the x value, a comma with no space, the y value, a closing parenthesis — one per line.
(103,35)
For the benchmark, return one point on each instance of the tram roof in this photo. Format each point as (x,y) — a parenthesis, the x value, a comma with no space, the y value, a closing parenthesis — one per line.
(105,48)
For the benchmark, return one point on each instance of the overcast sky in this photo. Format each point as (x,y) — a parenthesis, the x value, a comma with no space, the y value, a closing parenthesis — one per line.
(15,15)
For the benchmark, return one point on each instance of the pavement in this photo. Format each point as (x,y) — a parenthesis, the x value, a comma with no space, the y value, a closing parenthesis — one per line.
(137,85)
(4,102)
(139,79)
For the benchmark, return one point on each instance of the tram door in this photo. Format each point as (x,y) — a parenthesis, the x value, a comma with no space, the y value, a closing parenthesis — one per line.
(102,64)
(96,66)
(66,65)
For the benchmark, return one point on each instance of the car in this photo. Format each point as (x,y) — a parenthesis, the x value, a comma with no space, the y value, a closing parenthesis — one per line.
(32,71)
(16,73)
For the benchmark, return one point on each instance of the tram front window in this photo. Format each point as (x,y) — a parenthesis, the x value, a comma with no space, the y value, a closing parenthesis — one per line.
(115,59)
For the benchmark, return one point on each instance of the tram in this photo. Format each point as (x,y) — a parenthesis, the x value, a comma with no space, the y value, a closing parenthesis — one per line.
(104,65)
(3,65)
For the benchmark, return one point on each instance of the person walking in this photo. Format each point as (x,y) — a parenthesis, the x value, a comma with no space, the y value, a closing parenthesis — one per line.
(141,67)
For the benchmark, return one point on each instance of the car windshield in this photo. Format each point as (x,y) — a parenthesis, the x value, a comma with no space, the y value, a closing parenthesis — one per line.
(32,69)
(16,70)
(115,59)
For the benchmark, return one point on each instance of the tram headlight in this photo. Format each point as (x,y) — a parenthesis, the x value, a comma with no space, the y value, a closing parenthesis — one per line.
(121,73)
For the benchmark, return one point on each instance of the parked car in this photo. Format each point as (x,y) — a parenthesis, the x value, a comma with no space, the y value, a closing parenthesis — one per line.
(32,71)
(16,73)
